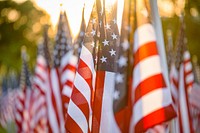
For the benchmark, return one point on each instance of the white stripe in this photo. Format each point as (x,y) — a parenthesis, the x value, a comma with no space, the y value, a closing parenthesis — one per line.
(37,103)
(174,72)
(67,91)
(174,91)
(183,103)
(77,115)
(41,72)
(73,60)
(86,57)
(51,112)
(65,59)
(188,66)
(56,91)
(189,78)
(146,68)
(186,55)
(108,123)
(41,84)
(41,60)
(18,116)
(151,102)
(67,75)
(143,35)
(83,87)
(19,105)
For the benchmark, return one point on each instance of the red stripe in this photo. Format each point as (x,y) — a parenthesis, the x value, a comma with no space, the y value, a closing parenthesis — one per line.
(175,82)
(98,96)
(69,67)
(69,83)
(71,126)
(65,99)
(41,66)
(148,85)
(85,72)
(87,75)
(149,49)
(53,99)
(40,77)
(39,89)
(81,102)
(157,117)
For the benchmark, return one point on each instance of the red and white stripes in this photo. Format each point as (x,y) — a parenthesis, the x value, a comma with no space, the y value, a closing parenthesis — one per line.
(22,110)
(186,80)
(174,78)
(184,115)
(79,108)
(189,76)
(68,69)
(39,106)
(152,98)
(55,112)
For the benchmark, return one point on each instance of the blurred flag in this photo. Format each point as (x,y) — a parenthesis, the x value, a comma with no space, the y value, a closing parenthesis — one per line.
(23,99)
(185,83)
(152,99)
(7,101)
(58,74)
(40,85)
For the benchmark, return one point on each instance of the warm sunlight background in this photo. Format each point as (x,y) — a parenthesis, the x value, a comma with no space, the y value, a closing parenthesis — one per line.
(74,11)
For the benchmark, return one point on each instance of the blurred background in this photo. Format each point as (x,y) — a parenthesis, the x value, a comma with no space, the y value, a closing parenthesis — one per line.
(22,21)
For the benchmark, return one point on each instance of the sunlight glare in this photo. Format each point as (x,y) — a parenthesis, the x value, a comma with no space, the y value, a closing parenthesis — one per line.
(73,10)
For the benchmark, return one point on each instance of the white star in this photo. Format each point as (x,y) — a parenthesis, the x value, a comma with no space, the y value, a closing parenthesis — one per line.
(114,21)
(122,61)
(112,52)
(125,45)
(105,42)
(103,59)
(107,26)
(114,36)
(93,21)
(92,44)
(93,32)
(116,95)
(119,78)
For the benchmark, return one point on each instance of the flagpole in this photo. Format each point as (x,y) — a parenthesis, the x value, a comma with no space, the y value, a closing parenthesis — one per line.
(160,44)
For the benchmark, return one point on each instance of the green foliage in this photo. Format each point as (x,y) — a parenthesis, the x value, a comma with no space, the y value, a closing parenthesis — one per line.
(20,24)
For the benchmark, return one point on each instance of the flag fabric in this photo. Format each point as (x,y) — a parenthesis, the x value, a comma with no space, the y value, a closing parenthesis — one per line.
(152,99)
(99,91)
(58,74)
(185,81)
(23,100)
(80,104)
(39,105)
(7,108)
(69,65)
(174,79)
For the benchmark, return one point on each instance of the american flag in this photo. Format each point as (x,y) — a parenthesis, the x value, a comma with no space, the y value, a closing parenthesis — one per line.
(99,81)
(62,54)
(7,101)
(69,65)
(40,81)
(80,104)
(23,100)
(182,79)
(152,99)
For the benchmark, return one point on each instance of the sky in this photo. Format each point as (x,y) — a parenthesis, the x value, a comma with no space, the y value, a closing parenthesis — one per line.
(73,10)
